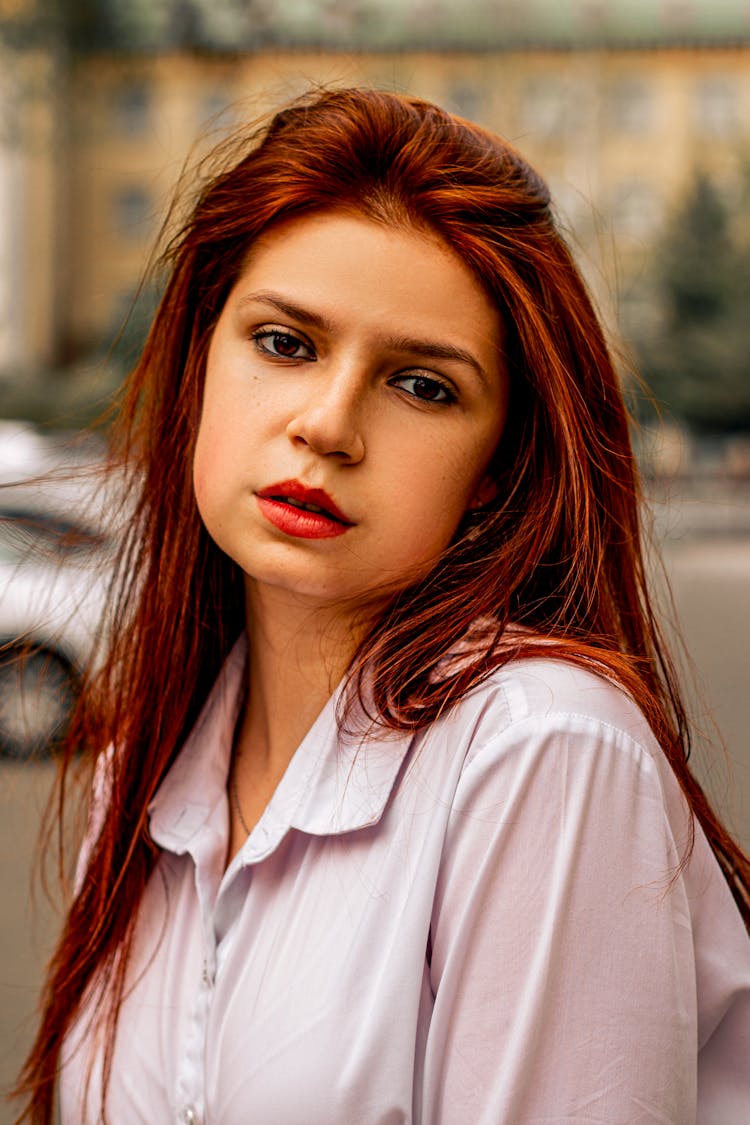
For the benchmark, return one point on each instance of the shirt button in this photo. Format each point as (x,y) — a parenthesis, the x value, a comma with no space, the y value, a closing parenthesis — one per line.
(189,1116)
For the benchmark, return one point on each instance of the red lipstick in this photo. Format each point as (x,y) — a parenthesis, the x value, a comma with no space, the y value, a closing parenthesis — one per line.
(305,513)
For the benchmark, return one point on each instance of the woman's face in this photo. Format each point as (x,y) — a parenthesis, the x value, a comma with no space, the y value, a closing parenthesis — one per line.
(354,396)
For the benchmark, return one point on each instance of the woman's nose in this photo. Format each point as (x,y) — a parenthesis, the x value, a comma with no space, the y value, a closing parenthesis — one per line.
(330,422)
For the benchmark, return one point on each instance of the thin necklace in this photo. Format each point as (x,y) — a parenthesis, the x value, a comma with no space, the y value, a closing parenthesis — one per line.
(233,791)
(236,801)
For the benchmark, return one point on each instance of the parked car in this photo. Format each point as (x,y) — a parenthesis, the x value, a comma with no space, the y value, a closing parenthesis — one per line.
(54,554)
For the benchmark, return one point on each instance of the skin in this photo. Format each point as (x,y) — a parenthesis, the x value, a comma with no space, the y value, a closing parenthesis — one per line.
(365,360)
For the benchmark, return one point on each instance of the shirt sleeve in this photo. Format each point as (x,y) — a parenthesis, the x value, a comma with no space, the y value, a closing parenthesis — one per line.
(562,963)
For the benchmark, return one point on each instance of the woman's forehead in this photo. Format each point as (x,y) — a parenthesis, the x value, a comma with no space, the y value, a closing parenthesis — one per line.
(338,262)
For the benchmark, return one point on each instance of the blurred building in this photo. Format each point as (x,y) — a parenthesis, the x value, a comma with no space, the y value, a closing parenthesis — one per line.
(31,183)
(616,101)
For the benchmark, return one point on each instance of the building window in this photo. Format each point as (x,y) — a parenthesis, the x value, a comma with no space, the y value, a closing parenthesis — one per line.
(465,99)
(544,109)
(133,212)
(569,203)
(716,108)
(132,108)
(215,108)
(629,107)
(636,209)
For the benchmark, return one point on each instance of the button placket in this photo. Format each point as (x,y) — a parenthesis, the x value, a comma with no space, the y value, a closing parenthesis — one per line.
(191,1072)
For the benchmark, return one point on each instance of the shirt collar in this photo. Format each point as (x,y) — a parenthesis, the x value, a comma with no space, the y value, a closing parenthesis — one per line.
(337,781)
(196,781)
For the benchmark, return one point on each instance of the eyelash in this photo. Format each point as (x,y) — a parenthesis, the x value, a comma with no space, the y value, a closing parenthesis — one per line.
(261,335)
(444,388)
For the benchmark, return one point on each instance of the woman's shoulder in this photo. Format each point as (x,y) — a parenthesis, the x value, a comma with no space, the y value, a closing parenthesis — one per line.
(552,701)
(545,740)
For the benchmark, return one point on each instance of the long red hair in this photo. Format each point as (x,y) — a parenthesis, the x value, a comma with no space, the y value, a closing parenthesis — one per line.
(559,551)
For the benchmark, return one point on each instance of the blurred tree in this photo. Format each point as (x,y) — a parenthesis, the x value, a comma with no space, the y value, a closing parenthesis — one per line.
(697,360)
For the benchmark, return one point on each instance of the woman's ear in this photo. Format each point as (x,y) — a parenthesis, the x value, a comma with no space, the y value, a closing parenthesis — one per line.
(485,493)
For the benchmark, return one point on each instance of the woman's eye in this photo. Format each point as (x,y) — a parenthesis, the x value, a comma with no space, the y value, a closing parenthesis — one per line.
(282,345)
(425,388)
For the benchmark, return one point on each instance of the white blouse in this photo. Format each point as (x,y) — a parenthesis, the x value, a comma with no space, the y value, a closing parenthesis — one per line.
(483,924)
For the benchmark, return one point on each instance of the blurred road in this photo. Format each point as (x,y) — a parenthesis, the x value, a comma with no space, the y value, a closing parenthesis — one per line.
(27,925)
(710,581)
(710,577)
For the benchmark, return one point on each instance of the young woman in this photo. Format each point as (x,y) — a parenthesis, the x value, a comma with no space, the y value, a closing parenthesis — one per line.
(396,823)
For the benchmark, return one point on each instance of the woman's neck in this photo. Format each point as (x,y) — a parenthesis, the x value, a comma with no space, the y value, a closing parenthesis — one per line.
(297,656)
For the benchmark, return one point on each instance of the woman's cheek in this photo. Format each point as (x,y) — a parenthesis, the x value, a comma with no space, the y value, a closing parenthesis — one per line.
(207,473)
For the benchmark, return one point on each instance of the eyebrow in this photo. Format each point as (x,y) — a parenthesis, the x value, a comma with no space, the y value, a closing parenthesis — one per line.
(296,312)
(431,349)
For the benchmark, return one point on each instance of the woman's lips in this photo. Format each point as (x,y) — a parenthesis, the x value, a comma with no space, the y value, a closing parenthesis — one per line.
(306,513)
